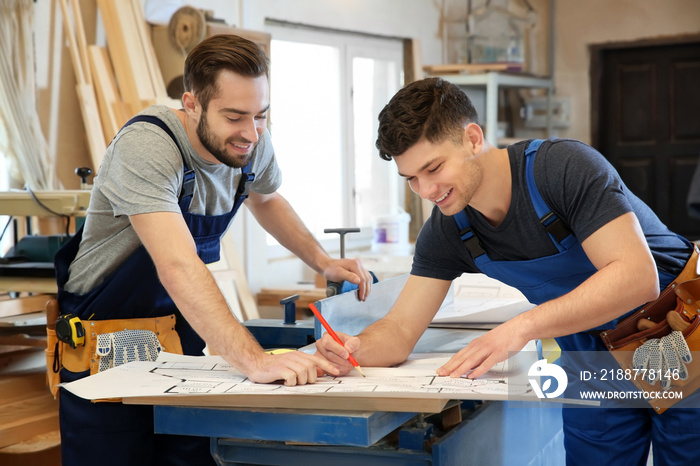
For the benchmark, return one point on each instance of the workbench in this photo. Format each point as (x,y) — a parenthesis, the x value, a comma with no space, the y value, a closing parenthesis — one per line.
(38,277)
(452,433)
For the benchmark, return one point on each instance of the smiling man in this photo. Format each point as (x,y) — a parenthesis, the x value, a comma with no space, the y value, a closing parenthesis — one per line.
(169,186)
(550,218)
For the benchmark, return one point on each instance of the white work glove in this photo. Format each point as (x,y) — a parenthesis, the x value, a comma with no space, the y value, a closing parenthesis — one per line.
(664,359)
(117,348)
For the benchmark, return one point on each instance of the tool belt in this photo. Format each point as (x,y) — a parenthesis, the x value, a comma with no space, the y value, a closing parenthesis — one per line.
(109,343)
(655,338)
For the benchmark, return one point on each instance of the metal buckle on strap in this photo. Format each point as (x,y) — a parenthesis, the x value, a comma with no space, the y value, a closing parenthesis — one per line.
(555,226)
(244,186)
(472,243)
(187,184)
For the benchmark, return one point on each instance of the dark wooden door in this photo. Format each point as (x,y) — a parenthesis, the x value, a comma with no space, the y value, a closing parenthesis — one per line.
(648,124)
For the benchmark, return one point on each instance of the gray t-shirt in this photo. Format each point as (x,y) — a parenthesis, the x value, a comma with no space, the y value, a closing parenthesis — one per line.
(142,172)
(577,183)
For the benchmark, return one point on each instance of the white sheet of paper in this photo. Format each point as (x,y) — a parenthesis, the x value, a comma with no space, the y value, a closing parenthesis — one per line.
(479,299)
(176,374)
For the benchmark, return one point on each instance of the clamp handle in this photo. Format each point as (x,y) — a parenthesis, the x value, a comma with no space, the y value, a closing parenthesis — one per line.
(83,173)
(342,232)
(290,309)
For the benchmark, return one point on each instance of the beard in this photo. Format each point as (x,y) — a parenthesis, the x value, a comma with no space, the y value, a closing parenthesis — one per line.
(217,147)
(466,190)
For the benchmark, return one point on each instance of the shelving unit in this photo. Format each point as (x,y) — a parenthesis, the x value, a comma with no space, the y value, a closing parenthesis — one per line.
(492,81)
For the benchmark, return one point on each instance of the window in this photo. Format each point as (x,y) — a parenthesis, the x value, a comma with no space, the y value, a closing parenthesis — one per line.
(327,89)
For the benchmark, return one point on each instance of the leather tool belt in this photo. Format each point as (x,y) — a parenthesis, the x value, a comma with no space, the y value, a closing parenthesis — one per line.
(91,355)
(625,342)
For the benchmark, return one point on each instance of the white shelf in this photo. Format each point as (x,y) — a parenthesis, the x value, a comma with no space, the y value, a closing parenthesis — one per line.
(494,80)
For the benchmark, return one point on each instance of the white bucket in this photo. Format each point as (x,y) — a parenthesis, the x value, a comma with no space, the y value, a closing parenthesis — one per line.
(391,234)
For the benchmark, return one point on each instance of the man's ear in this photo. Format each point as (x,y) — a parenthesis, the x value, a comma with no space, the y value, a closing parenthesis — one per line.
(190,104)
(473,137)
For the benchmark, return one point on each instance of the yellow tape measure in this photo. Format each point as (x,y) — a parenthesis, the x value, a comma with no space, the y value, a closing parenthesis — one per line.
(69,329)
(280,351)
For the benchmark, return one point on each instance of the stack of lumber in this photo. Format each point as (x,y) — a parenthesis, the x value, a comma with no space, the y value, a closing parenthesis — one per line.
(28,411)
(116,82)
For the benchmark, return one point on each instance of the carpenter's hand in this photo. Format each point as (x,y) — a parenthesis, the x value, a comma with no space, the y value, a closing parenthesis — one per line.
(337,354)
(294,367)
(484,352)
(350,270)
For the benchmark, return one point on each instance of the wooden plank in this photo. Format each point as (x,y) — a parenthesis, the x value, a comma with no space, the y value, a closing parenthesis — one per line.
(22,340)
(118,55)
(93,126)
(72,44)
(30,284)
(397,402)
(155,74)
(82,41)
(128,29)
(24,320)
(22,361)
(108,99)
(472,68)
(43,449)
(127,57)
(86,94)
(24,305)
(27,418)
(19,387)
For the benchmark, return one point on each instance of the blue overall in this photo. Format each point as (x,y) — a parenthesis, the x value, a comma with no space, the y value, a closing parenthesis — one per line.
(605,436)
(112,433)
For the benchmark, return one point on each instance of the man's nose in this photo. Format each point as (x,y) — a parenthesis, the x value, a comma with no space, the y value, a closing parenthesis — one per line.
(250,131)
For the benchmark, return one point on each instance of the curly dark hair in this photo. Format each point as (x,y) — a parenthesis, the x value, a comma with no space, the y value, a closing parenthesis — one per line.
(432,108)
(217,53)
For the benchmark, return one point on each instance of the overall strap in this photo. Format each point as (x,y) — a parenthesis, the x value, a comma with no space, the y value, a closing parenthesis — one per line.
(243,190)
(558,231)
(188,180)
(469,238)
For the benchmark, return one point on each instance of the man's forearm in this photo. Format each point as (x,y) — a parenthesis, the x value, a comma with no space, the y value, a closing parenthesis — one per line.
(196,295)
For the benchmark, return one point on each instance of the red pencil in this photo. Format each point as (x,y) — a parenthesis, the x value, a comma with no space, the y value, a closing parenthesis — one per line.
(318,315)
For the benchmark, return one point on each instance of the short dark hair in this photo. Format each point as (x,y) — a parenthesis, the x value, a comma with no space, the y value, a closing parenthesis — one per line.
(432,108)
(217,53)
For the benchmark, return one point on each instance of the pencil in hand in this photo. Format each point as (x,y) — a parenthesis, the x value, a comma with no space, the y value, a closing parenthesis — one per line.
(330,331)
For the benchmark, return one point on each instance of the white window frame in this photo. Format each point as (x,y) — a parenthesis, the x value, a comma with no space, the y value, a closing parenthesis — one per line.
(260,256)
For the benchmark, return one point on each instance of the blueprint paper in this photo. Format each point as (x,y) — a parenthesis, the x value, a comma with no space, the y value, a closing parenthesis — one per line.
(211,375)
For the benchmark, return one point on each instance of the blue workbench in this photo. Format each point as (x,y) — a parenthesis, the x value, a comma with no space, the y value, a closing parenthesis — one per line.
(490,433)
